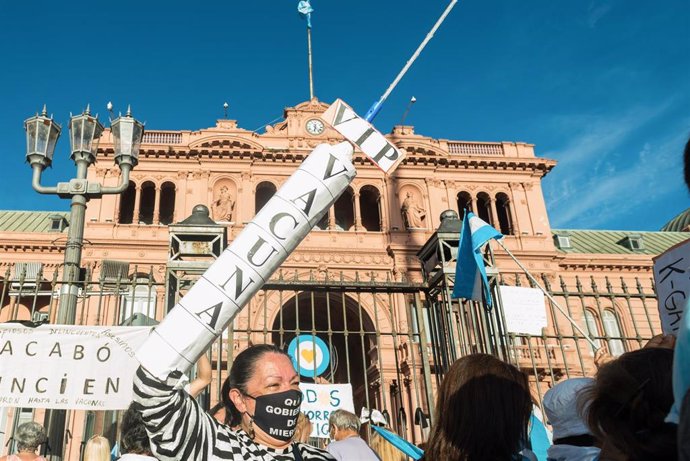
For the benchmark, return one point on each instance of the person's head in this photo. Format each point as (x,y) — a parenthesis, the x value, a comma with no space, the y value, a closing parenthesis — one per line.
(262,380)
(97,449)
(29,436)
(482,412)
(628,402)
(133,436)
(384,449)
(303,430)
(342,424)
(563,410)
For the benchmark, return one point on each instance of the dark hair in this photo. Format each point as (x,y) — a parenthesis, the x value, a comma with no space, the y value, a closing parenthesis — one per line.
(482,413)
(686,162)
(242,370)
(628,402)
(213,411)
(134,438)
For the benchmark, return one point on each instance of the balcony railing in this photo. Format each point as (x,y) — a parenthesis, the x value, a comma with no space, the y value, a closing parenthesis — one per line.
(162,137)
(475,148)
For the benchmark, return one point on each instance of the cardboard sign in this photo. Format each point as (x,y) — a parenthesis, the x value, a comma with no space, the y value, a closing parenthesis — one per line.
(240,272)
(68,367)
(363,134)
(320,400)
(524,310)
(672,280)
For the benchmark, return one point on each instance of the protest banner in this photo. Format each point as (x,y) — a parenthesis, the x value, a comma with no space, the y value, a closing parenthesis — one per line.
(524,309)
(320,400)
(672,281)
(68,367)
(362,133)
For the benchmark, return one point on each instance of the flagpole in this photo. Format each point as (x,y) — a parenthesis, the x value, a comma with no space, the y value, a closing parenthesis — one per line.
(311,72)
(374,109)
(546,293)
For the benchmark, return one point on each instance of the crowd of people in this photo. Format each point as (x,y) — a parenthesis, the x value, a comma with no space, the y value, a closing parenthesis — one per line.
(634,409)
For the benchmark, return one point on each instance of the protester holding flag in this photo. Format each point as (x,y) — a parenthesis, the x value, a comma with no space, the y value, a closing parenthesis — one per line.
(482,412)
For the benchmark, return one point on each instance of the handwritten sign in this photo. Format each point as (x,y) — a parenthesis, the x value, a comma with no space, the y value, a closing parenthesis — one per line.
(672,280)
(240,272)
(524,310)
(68,367)
(363,134)
(320,400)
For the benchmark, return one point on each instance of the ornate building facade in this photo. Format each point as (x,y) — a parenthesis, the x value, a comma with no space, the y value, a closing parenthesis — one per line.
(356,280)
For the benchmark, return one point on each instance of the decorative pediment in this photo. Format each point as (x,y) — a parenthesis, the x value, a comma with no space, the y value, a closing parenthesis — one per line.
(226,142)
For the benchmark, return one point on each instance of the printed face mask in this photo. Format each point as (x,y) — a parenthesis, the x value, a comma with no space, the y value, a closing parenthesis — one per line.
(276,414)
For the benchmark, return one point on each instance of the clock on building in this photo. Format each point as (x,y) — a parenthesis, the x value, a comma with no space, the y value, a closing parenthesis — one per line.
(315,126)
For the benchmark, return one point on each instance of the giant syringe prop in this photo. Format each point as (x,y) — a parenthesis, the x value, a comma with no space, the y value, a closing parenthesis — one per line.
(263,245)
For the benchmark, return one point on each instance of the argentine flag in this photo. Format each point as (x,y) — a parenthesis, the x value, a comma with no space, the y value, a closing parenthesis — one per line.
(305,10)
(470,272)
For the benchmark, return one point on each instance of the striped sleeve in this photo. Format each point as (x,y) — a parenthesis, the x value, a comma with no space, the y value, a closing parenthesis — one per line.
(177,426)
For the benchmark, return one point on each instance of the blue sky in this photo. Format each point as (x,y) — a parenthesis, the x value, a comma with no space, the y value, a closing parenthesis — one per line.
(600,86)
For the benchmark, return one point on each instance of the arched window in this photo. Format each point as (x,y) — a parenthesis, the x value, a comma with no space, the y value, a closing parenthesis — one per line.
(464,203)
(612,327)
(370,208)
(344,211)
(167,203)
(264,192)
(484,207)
(505,221)
(147,202)
(127,204)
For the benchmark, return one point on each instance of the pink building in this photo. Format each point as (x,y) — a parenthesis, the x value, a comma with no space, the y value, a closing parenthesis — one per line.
(356,281)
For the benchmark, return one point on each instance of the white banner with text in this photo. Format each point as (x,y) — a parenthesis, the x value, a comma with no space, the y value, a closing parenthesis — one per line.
(672,280)
(68,367)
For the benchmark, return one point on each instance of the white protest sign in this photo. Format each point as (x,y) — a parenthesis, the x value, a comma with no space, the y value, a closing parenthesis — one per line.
(320,400)
(524,309)
(238,274)
(68,367)
(363,134)
(672,280)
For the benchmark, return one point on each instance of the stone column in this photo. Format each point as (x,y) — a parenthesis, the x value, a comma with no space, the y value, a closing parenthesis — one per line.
(494,214)
(156,205)
(137,200)
(331,218)
(358,214)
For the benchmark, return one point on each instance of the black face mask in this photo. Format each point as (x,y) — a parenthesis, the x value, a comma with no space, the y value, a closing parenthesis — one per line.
(276,414)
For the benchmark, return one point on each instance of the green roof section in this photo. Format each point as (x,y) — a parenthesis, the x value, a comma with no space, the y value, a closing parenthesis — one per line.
(679,223)
(617,242)
(31,221)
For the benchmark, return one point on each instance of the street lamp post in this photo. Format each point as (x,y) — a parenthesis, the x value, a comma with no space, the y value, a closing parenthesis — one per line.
(42,134)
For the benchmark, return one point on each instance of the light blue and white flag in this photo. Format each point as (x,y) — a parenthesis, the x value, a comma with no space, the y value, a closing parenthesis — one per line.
(470,272)
(305,10)
(410,449)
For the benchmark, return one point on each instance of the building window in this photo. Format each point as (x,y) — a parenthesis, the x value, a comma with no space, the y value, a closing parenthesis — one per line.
(370,208)
(633,242)
(264,192)
(166,212)
(127,204)
(464,204)
(562,241)
(147,203)
(484,207)
(344,211)
(505,221)
(611,329)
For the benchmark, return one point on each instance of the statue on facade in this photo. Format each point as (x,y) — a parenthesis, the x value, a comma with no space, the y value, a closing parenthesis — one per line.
(223,205)
(413,214)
